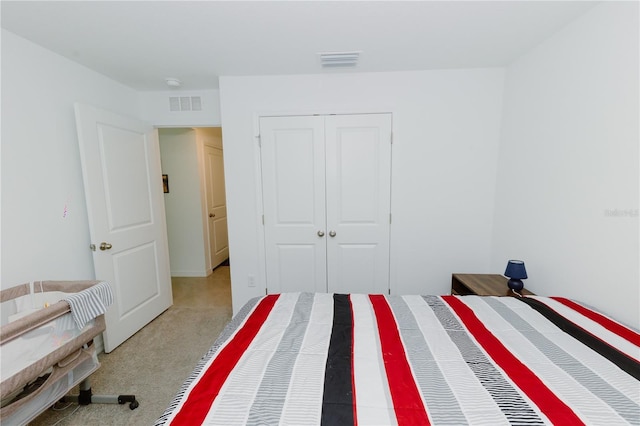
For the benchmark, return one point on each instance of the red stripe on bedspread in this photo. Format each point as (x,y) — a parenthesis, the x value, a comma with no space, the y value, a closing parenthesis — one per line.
(203,394)
(407,401)
(556,410)
(607,323)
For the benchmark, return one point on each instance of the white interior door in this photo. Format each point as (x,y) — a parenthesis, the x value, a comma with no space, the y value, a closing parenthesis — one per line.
(358,168)
(216,205)
(327,202)
(292,150)
(123,187)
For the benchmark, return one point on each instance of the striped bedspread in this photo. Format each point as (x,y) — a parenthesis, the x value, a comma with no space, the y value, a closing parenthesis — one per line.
(332,359)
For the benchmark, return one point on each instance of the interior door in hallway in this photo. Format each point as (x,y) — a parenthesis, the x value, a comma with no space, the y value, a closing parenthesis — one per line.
(123,188)
(326,197)
(216,205)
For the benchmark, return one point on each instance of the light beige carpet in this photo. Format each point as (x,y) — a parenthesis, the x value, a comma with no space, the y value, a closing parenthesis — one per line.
(154,362)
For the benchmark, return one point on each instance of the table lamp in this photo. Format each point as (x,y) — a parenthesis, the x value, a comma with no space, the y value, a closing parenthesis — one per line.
(516,273)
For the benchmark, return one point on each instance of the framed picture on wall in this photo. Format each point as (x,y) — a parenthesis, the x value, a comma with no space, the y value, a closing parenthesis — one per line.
(165,183)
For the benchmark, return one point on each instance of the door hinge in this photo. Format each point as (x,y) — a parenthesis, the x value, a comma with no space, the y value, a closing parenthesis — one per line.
(259,140)
(391,138)
(263,219)
(389,217)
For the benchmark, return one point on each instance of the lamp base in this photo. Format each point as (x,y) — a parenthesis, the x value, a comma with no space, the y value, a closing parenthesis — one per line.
(515,285)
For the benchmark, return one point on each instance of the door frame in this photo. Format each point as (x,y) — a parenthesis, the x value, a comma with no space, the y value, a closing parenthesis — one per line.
(201,171)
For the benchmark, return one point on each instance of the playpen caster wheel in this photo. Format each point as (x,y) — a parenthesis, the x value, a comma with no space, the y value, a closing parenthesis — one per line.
(131,399)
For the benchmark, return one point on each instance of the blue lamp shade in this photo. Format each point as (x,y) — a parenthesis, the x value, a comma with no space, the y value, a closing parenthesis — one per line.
(516,272)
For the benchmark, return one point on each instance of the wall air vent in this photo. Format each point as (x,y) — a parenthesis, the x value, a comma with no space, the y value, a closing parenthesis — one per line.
(185,103)
(339,59)
(174,103)
(196,103)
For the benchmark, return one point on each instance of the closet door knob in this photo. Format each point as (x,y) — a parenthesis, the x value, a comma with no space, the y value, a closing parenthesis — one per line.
(332,234)
(320,233)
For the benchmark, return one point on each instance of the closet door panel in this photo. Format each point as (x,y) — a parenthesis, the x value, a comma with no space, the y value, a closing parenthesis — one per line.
(356,175)
(356,269)
(293,179)
(358,164)
(296,267)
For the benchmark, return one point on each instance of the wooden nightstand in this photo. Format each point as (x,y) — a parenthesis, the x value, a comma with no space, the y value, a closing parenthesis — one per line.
(482,285)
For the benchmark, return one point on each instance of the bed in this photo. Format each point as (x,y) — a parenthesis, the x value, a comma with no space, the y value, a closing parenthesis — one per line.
(47,334)
(336,359)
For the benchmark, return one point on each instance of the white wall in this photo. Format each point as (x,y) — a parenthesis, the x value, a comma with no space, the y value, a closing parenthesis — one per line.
(45,231)
(446,130)
(569,157)
(184,202)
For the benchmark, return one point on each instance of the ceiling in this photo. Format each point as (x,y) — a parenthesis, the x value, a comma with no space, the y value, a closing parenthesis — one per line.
(140,43)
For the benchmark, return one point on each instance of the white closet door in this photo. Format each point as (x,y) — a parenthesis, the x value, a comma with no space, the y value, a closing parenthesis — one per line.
(293,180)
(358,167)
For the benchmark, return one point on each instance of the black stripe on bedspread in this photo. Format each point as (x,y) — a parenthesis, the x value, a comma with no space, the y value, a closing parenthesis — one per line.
(338,398)
(624,362)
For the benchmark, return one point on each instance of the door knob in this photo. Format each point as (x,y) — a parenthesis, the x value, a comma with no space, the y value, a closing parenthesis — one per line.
(332,234)
(105,246)
(212,215)
(320,233)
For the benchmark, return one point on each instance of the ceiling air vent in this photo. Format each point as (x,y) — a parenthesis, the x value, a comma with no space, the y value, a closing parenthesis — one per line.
(185,103)
(339,59)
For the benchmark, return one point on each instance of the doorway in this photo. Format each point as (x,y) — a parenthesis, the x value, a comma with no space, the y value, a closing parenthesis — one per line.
(195,199)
